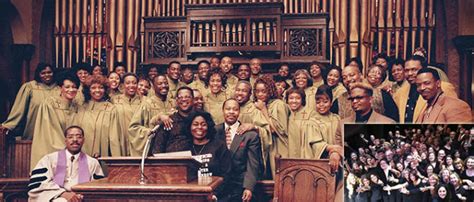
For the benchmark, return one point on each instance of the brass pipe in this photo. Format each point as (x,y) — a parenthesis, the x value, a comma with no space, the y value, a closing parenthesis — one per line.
(120,37)
(112,32)
(389,27)
(130,33)
(431,23)
(100,28)
(422,22)
(153,6)
(381,25)
(364,30)
(343,32)
(331,30)
(398,26)
(70,32)
(91,29)
(77,29)
(325,6)
(63,34)
(57,31)
(354,28)
(84,30)
(406,21)
(415,26)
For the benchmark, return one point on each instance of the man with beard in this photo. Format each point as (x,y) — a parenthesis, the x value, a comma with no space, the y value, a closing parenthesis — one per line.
(361,100)
(172,75)
(141,122)
(255,69)
(409,103)
(172,139)
(246,154)
(383,102)
(440,108)
(199,83)
(57,172)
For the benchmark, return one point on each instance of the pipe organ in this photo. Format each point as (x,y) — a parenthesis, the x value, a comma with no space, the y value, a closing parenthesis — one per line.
(157,31)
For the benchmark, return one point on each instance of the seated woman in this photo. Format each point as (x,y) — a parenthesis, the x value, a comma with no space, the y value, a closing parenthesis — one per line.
(201,128)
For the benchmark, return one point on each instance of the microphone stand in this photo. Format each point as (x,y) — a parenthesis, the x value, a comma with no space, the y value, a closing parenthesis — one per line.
(142,179)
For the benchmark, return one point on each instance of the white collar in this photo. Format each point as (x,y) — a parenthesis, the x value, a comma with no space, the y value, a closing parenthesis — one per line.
(233,126)
(68,155)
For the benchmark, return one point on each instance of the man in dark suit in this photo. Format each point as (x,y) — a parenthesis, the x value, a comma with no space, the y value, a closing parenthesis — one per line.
(246,155)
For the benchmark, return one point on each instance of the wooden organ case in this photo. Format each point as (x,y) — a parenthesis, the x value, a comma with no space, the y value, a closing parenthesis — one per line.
(239,30)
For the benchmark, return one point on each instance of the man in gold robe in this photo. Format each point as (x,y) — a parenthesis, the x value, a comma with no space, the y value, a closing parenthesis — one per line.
(141,122)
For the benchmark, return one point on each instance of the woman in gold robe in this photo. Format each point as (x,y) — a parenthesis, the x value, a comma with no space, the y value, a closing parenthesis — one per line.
(276,113)
(83,71)
(303,81)
(127,103)
(115,84)
(28,100)
(328,121)
(305,139)
(98,117)
(54,115)
(216,95)
(333,80)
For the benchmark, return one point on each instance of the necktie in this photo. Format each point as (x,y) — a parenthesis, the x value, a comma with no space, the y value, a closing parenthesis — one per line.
(72,164)
(228,137)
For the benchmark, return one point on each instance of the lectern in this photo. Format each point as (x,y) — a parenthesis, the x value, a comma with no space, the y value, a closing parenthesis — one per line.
(168,179)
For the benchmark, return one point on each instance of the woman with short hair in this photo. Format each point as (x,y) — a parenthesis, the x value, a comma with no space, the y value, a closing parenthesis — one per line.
(28,100)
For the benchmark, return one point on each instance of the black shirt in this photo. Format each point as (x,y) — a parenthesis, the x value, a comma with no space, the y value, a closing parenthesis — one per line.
(411,104)
(173,140)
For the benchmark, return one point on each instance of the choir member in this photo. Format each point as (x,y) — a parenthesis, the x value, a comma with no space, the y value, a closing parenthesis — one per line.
(55,114)
(141,122)
(127,104)
(28,100)
(99,119)
(216,95)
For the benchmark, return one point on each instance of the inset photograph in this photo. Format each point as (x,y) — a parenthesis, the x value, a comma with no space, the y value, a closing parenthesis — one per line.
(408,162)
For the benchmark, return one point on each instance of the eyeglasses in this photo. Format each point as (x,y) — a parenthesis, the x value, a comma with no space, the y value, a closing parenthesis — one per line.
(357,98)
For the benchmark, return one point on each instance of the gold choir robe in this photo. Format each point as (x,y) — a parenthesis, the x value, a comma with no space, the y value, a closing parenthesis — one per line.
(337,91)
(232,81)
(329,126)
(140,124)
(200,85)
(401,99)
(26,105)
(305,139)
(174,85)
(213,105)
(250,114)
(54,115)
(311,97)
(316,84)
(100,123)
(44,188)
(126,107)
(80,95)
(279,113)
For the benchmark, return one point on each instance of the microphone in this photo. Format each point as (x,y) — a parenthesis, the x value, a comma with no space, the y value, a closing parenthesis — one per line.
(145,152)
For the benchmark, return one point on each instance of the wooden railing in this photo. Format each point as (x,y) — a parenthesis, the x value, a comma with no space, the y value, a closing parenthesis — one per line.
(241,30)
(15,168)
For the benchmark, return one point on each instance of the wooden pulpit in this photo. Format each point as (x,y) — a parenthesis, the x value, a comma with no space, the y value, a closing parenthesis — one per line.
(167,179)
